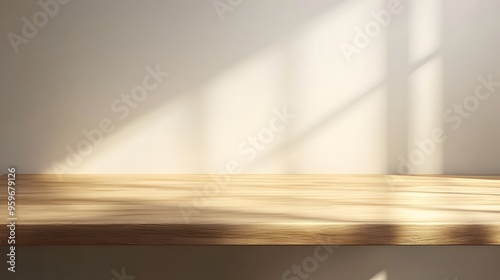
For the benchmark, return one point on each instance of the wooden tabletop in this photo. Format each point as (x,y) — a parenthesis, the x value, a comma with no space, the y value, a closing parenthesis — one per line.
(254,209)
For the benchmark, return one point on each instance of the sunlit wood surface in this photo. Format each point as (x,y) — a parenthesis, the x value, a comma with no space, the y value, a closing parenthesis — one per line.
(254,209)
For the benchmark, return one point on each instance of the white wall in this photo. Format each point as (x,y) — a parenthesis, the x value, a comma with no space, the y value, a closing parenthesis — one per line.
(227,76)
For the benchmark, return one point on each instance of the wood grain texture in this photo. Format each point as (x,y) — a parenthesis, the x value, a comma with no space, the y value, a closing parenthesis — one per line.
(255,209)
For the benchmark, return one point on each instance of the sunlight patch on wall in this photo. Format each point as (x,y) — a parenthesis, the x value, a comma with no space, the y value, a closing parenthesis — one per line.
(424,29)
(340,109)
(426,89)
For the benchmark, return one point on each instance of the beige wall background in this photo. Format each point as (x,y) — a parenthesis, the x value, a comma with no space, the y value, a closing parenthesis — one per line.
(230,68)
